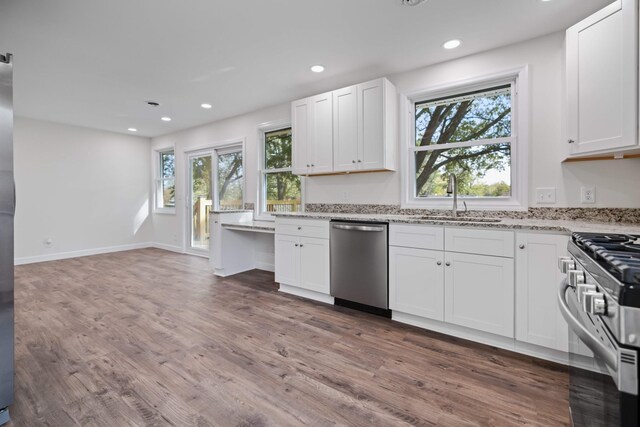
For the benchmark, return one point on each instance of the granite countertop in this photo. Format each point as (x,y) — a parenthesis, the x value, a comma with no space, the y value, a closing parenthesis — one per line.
(252,225)
(562,226)
(217,211)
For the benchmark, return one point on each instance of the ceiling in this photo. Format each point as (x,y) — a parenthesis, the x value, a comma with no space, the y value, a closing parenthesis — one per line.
(94,63)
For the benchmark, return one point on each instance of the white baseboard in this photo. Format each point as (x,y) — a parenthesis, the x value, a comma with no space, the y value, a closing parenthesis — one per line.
(80,253)
(266,266)
(317,296)
(166,247)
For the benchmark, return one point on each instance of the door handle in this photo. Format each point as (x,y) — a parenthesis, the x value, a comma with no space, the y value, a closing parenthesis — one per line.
(357,227)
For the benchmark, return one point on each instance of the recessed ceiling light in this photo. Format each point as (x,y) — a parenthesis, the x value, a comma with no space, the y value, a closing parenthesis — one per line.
(317,68)
(132,130)
(166,119)
(205,106)
(452,44)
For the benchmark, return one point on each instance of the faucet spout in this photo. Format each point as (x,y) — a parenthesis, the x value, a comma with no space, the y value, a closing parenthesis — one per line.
(452,188)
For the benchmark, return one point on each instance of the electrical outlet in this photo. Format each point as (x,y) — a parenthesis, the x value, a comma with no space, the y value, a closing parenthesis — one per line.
(546,195)
(587,194)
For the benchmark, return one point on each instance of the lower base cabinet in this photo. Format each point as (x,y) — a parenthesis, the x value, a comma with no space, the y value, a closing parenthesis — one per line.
(474,291)
(479,292)
(302,262)
(416,282)
(538,319)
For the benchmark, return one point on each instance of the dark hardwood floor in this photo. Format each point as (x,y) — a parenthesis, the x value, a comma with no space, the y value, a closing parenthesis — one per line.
(149,337)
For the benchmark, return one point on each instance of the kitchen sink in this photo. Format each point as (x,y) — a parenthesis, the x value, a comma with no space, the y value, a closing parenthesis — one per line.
(459,218)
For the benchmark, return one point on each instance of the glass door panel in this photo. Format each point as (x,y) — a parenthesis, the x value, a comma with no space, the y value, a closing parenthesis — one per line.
(200,199)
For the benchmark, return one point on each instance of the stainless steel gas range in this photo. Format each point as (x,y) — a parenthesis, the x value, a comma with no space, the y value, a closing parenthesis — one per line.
(600,300)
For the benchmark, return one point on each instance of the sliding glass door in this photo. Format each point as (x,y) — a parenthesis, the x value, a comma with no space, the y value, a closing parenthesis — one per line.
(216,181)
(200,200)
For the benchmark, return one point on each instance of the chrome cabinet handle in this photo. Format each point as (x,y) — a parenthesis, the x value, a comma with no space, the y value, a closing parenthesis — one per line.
(439,262)
(296,245)
(359,161)
(448,264)
(312,165)
(299,228)
(521,246)
(301,245)
(353,161)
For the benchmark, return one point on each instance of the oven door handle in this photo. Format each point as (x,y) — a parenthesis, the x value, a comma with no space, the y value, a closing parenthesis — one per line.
(609,356)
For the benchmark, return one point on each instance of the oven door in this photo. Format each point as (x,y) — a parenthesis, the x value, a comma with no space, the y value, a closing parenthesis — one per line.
(596,399)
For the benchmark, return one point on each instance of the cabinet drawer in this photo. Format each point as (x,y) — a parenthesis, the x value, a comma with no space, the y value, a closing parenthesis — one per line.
(482,242)
(416,236)
(318,228)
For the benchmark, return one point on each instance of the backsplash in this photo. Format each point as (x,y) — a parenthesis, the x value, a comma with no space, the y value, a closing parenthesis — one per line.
(612,215)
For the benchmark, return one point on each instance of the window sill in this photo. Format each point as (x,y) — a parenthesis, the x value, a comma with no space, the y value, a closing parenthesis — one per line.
(472,205)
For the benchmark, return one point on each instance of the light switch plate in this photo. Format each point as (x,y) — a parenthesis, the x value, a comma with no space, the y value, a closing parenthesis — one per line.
(546,195)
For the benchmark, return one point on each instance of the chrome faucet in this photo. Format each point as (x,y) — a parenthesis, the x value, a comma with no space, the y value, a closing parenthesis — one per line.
(452,188)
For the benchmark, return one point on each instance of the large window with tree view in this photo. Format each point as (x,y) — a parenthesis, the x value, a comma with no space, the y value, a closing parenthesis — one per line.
(469,135)
(281,189)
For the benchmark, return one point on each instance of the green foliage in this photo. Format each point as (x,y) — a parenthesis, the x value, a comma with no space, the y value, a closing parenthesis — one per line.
(484,117)
(280,185)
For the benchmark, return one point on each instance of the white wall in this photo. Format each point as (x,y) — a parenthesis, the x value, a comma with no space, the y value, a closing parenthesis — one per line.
(86,190)
(615,180)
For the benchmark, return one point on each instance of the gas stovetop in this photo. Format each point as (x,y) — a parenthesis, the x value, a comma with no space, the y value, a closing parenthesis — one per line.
(619,255)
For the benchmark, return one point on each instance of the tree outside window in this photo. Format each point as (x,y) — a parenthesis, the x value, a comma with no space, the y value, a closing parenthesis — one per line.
(469,135)
(281,189)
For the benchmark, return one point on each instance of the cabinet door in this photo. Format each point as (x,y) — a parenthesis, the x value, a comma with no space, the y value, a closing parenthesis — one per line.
(320,153)
(345,129)
(215,242)
(416,282)
(287,254)
(300,117)
(602,79)
(538,318)
(479,292)
(371,135)
(314,264)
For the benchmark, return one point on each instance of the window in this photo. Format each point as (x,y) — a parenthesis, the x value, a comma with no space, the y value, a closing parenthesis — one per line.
(166,181)
(470,132)
(280,189)
(229,178)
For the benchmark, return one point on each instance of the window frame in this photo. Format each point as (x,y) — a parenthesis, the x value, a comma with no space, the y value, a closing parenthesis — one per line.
(159,178)
(260,211)
(518,79)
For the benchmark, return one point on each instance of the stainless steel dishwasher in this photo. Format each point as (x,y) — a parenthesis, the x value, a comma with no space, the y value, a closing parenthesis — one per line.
(359,265)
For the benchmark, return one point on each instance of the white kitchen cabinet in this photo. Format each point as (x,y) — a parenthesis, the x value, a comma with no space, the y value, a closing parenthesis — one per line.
(302,256)
(602,80)
(312,133)
(364,127)
(538,318)
(416,282)
(479,292)
(287,259)
(314,264)
(353,129)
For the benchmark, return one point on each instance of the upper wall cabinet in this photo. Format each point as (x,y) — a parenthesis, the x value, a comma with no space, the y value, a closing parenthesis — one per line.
(348,130)
(312,130)
(602,80)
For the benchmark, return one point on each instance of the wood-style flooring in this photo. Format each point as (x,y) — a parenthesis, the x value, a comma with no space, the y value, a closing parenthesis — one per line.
(152,338)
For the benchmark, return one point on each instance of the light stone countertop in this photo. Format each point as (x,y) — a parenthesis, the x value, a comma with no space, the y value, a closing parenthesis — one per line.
(561,226)
(267,226)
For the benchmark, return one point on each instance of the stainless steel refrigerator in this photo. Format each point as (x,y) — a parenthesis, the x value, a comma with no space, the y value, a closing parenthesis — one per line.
(7,211)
